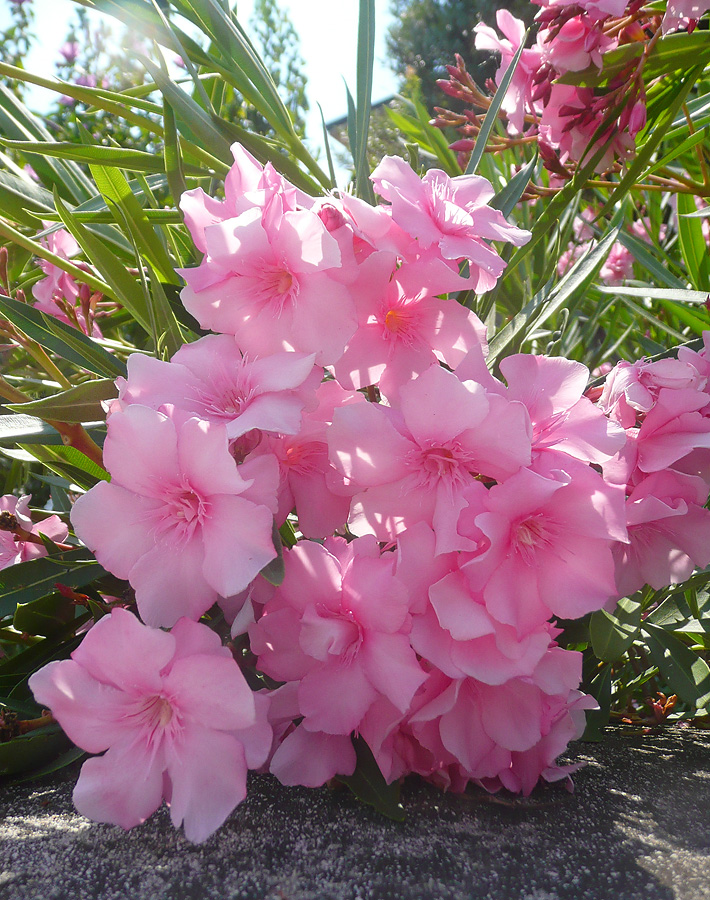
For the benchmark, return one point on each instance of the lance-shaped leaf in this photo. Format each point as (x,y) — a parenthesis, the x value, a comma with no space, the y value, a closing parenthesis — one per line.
(34,750)
(693,247)
(493,110)
(121,285)
(687,674)
(82,403)
(547,302)
(368,784)
(60,338)
(613,633)
(36,578)
(122,157)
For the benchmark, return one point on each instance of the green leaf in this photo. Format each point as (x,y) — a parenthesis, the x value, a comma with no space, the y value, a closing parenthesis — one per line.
(687,674)
(174,168)
(68,462)
(365,63)
(58,762)
(122,285)
(122,157)
(33,751)
(547,302)
(676,294)
(17,122)
(17,195)
(30,580)
(275,571)
(692,244)
(598,719)
(44,615)
(613,633)
(27,429)
(116,192)
(62,339)
(369,785)
(493,110)
(79,404)
(506,199)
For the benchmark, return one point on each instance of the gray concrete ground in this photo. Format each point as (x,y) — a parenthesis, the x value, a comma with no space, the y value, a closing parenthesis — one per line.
(636,828)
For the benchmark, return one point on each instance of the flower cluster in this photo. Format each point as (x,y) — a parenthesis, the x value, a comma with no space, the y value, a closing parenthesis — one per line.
(444,516)
(571,121)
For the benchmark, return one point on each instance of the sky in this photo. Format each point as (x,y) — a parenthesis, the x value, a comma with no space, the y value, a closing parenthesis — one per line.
(328,33)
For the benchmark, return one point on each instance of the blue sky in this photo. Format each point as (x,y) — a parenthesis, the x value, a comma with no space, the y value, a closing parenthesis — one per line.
(328,31)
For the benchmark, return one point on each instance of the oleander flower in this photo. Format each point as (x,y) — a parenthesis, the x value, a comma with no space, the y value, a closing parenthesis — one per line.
(177,520)
(174,715)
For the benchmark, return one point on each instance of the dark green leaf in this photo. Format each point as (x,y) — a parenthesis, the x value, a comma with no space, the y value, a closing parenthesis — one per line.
(506,198)
(33,750)
(274,571)
(30,580)
(79,404)
(369,785)
(62,339)
(44,615)
(598,719)
(613,633)
(687,674)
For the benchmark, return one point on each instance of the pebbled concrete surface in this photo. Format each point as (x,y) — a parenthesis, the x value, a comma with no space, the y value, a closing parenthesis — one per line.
(636,828)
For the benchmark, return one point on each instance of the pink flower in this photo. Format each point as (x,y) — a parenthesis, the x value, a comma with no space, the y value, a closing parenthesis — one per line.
(578,44)
(300,756)
(506,735)
(212,380)
(269,278)
(338,625)
(309,481)
(563,420)
(449,213)
(683,14)
(413,462)
(544,543)
(15,549)
(403,328)
(177,520)
(174,715)
(519,98)
(669,532)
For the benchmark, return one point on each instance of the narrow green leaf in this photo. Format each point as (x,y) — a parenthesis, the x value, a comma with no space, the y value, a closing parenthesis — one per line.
(369,785)
(62,339)
(172,156)
(121,157)
(613,633)
(20,198)
(275,571)
(493,110)
(79,404)
(365,64)
(68,462)
(687,674)
(547,302)
(44,615)
(33,750)
(30,580)
(598,719)
(692,244)
(678,295)
(122,285)
(115,190)
(506,199)
(74,754)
